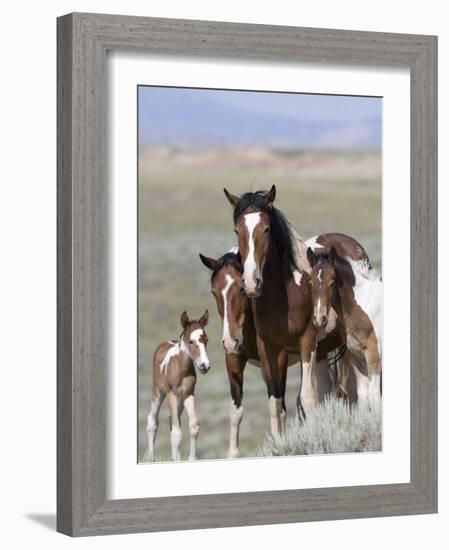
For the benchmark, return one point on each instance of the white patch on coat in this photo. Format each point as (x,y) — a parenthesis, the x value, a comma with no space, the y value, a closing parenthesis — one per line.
(249,267)
(368,293)
(203,359)
(313,244)
(226,333)
(172,352)
(297,276)
(233,250)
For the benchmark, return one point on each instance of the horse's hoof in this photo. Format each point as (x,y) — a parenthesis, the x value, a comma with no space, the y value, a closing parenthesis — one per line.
(233,453)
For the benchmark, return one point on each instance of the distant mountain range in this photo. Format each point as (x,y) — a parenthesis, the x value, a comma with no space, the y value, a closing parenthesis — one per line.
(205,121)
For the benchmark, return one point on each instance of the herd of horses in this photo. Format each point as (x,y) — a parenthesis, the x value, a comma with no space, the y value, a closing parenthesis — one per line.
(282,300)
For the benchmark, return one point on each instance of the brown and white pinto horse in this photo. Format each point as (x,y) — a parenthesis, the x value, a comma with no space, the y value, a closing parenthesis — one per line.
(354,290)
(174,377)
(239,335)
(280,295)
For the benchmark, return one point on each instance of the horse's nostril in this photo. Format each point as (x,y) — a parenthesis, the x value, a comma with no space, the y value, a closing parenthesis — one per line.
(242,290)
(236,342)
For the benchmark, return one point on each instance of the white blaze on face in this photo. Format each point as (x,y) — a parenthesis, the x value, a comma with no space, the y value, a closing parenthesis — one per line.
(202,359)
(318,307)
(250,266)
(227,338)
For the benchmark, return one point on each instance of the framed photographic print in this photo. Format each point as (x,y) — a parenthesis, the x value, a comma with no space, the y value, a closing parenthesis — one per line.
(247,282)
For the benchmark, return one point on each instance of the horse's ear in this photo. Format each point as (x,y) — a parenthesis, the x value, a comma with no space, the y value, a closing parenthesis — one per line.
(311,256)
(271,195)
(185,321)
(233,199)
(210,263)
(333,255)
(204,319)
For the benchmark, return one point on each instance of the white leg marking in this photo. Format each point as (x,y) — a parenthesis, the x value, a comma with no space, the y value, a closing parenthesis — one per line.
(250,267)
(235,418)
(194,425)
(175,440)
(153,423)
(275,409)
(175,434)
(309,398)
(283,420)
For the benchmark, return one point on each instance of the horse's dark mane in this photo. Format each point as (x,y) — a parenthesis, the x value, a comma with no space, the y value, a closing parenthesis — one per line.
(280,227)
(227,259)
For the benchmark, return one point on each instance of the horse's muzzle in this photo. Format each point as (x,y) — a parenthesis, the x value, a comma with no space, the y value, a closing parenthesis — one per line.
(232,345)
(253,291)
(320,321)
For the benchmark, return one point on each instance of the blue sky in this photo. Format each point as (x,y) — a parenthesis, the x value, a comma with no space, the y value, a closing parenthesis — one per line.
(187,117)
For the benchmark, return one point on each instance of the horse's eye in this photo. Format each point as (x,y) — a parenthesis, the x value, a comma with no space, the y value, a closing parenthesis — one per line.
(267,229)
(191,342)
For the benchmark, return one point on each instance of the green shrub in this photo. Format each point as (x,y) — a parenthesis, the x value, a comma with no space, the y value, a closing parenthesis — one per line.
(333,427)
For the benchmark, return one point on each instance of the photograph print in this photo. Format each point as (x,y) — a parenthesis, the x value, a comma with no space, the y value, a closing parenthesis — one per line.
(260,294)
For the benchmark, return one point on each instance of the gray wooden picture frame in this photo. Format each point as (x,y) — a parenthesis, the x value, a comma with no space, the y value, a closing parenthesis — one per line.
(83,41)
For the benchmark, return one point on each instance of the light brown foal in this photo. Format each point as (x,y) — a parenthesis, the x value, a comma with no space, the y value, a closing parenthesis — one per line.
(174,377)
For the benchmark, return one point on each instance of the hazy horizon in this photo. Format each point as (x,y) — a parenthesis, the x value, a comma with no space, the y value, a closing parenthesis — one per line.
(188,117)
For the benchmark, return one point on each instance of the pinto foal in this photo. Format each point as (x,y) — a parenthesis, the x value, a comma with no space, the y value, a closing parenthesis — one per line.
(355,292)
(174,377)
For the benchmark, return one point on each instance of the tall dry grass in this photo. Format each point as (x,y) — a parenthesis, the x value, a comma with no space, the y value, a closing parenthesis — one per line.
(333,427)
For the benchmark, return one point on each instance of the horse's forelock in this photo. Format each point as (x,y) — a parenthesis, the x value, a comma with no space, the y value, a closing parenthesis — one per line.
(252,200)
(228,259)
(280,227)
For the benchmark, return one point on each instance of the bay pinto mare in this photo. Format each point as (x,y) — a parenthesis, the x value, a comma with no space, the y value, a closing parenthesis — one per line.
(275,261)
(355,291)
(174,377)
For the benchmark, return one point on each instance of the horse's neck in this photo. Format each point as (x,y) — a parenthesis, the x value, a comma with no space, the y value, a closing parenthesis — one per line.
(344,299)
(185,362)
(274,272)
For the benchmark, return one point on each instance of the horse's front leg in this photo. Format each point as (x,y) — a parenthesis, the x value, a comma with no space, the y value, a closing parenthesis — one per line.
(194,426)
(175,432)
(273,362)
(235,365)
(283,366)
(308,392)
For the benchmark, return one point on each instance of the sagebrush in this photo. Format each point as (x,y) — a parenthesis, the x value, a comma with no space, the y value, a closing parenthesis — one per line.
(333,427)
